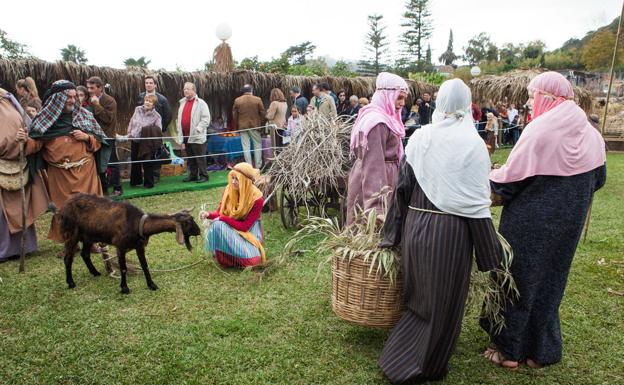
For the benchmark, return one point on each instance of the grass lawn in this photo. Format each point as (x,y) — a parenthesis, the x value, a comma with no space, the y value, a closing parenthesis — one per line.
(208,326)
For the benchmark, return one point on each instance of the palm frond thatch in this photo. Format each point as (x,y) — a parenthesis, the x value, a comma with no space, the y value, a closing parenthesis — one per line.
(513,85)
(218,89)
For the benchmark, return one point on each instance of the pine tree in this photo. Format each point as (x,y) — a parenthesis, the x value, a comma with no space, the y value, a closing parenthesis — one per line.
(417,24)
(428,55)
(376,47)
(448,57)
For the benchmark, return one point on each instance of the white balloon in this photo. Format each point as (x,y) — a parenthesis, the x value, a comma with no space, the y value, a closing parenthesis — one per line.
(475,71)
(224,31)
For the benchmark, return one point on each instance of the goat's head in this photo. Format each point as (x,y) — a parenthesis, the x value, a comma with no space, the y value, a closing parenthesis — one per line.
(185,227)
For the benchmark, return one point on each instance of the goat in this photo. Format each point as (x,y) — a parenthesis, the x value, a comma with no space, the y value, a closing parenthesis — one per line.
(92,219)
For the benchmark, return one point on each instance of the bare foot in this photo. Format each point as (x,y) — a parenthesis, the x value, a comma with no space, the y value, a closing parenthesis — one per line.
(533,364)
(497,358)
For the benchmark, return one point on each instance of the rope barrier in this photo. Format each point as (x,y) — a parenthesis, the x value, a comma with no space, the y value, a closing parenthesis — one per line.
(124,138)
(194,156)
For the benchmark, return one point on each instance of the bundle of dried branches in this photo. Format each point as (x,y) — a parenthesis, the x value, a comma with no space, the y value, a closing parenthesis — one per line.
(316,162)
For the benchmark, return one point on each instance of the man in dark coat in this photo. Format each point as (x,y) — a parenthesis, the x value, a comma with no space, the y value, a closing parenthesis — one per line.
(426,108)
(298,100)
(162,107)
(105,112)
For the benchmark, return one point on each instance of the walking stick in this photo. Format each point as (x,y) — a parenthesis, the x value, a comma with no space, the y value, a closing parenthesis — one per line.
(23,193)
(606,108)
(587,220)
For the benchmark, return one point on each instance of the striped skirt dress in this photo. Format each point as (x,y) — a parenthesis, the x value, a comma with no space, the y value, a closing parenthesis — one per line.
(230,249)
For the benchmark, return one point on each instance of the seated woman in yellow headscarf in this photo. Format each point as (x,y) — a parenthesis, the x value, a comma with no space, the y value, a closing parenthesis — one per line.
(235,236)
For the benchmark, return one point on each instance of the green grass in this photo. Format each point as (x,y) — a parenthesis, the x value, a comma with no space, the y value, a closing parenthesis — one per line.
(207,326)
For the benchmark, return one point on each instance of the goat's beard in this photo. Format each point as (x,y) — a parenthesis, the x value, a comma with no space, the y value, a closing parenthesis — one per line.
(187,243)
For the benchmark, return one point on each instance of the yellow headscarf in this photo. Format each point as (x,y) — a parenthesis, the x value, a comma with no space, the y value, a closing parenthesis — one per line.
(238,203)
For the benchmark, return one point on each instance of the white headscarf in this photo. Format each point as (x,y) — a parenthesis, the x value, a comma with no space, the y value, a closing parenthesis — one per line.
(449,158)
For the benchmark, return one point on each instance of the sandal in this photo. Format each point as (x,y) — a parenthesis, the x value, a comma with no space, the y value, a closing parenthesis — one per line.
(533,364)
(497,358)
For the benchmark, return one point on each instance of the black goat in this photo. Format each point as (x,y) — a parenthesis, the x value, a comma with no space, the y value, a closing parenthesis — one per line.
(91,219)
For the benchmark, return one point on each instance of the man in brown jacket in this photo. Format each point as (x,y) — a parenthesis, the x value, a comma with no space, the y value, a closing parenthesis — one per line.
(105,112)
(248,113)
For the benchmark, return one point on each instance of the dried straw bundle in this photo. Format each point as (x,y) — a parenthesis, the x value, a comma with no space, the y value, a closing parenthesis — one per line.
(316,162)
(223,58)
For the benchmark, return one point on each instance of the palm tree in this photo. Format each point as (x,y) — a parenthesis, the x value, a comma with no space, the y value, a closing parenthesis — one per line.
(141,62)
(74,54)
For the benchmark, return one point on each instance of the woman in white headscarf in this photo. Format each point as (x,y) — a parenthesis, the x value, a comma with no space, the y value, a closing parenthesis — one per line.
(439,214)
(376,142)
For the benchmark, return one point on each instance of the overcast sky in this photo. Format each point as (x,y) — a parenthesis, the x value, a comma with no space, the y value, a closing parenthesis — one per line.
(182,33)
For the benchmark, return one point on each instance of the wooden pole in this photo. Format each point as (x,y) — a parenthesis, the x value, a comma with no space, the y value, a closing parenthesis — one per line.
(606,109)
(23,193)
(615,50)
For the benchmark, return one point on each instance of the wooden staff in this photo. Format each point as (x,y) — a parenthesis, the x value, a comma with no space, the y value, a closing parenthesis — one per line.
(606,108)
(23,193)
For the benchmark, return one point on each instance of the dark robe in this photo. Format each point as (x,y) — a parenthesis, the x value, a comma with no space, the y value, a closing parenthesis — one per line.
(436,256)
(542,219)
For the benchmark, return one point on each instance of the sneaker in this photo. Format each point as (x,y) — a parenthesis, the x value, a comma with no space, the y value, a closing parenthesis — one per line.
(116,193)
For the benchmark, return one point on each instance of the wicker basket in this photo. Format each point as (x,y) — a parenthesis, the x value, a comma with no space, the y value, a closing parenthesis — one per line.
(363,298)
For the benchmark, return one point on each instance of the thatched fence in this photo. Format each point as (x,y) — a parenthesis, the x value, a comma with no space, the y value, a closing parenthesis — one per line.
(218,89)
(513,86)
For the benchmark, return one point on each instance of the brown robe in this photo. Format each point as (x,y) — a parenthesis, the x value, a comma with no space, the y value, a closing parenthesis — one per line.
(64,183)
(11,201)
(376,167)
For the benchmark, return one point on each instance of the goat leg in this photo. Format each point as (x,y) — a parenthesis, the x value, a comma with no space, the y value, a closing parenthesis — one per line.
(140,250)
(121,256)
(70,250)
(85,253)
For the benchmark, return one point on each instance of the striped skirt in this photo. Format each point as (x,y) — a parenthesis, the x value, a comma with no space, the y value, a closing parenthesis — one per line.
(230,249)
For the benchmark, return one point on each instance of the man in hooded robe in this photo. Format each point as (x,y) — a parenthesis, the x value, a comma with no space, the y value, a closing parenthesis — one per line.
(13,119)
(66,139)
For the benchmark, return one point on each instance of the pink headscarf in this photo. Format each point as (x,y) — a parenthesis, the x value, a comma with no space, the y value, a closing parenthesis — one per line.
(559,141)
(382,109)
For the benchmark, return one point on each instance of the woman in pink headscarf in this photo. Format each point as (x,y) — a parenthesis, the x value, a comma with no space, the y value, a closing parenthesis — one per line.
(546,188)
(376,141)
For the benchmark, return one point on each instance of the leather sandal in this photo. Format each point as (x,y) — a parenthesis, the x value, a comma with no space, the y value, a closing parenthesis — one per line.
(497,358)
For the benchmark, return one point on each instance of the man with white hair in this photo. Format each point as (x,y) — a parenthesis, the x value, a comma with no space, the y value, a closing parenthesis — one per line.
(192,123)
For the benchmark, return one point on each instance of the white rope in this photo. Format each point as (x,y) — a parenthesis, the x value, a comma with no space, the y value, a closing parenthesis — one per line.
(124,138)
(194,156)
